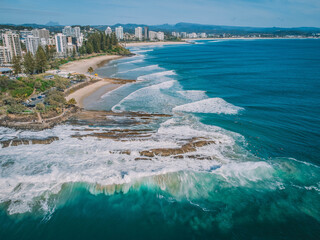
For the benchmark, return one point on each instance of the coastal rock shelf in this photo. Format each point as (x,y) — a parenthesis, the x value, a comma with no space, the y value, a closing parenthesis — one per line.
(109,118)
(17,141)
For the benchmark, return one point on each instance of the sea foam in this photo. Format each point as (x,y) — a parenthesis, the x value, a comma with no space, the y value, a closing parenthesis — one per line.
(211,105)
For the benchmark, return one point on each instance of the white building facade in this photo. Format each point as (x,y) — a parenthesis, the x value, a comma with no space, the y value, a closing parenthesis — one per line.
(61,43)
(138,33)
(32,44)
(119,33)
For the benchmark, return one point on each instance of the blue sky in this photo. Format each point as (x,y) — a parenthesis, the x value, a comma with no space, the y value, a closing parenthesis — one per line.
(256,13)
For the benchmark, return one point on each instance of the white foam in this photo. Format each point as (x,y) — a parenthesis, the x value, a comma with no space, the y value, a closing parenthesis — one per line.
(193,95)
(147,96)
(145,68)
(157,75)
(211,105)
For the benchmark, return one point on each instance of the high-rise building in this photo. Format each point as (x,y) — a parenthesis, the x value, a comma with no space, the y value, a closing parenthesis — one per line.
(108,31)
(152,35)
(119,32)
(184,35)
(32,44)
(160,36)
(68,31)
(203,35)
(41,33)
(61,43)
(12,41)
(146,33)
(5,55)
(77,32)
(24,34)
(138,33)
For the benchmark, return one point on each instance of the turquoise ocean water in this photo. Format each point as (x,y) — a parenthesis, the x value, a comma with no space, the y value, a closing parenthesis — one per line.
(258,100)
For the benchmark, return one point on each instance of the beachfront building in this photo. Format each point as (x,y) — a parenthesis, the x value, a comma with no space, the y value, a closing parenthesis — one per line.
(192,35)
(160,36)
(32,44)
(108,31)
(119,33)
(138,33)
(146,33)
(203,35)
(152,35)
(61,44)
(5,55)
(184,35)
(12,42)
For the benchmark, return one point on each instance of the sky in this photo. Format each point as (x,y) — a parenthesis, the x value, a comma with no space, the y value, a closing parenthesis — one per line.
(253,13)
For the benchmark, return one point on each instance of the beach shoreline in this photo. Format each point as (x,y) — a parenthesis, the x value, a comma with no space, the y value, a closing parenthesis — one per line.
(81,66)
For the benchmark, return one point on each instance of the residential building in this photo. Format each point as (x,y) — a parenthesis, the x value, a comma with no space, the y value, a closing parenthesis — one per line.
(184,35)
(146,33)
(203,35)
(32,44)
(152,35)
(24,34)
(12,41)
(77,32)
(41,33)
(108,31)
(68,31)
(5,55)
(138,33)
(119,32)
(160,36)
(61,43)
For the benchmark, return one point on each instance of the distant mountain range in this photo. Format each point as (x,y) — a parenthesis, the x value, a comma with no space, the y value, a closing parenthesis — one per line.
(187,27)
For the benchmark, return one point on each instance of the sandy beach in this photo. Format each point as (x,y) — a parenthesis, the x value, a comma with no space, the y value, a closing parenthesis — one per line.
(84,92)
(81,66)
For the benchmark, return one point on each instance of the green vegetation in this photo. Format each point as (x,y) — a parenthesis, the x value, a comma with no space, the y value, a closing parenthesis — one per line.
(13,92)
(100,43)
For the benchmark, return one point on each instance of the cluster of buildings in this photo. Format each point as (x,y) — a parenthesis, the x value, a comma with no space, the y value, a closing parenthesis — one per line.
(189,35)
(65,43)
(140,33)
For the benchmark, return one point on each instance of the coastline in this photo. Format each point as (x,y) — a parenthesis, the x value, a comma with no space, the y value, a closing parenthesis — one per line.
(80,94)
(81,66)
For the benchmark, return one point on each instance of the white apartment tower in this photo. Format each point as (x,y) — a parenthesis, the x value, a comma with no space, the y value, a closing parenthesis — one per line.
(138,33)
(160,36)
(119,32)
(32,44)
(5,55)
(152,35)
(12,41)
(61,43)
(108,31)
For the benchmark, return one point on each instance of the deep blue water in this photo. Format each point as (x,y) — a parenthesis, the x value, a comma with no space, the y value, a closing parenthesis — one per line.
(258,100)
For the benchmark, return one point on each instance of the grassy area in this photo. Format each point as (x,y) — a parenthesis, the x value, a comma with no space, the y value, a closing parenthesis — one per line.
(14,92)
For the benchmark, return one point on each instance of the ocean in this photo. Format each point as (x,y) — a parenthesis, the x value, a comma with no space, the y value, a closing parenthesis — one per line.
(256,102)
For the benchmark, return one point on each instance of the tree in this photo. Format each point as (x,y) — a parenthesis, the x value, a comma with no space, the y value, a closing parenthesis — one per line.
(89,48)
(16,64)
(72,102)
(40,107)
(41,60)
(83,50)
(90,70)
(28,63)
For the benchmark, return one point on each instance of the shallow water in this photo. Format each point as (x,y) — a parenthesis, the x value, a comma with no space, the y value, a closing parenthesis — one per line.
(257,100)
